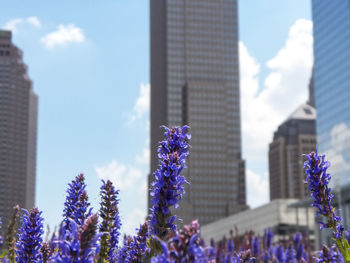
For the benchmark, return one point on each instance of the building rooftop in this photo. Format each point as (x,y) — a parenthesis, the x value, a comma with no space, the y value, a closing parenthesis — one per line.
(278,214)
(301,121)
(5,34)
(303,112)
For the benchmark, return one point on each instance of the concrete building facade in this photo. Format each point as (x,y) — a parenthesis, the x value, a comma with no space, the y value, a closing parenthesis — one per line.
(18,130)
(278,215)
(293,138)
(195,81)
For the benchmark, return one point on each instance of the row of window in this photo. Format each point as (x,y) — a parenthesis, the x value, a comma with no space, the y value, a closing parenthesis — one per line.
(4,53)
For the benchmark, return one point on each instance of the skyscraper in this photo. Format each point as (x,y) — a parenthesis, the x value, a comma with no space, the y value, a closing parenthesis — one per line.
(294,137)
(331,30)
(195,81)
(18,130)
(311,100)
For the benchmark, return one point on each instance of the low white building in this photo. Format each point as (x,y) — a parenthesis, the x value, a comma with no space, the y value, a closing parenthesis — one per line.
(279,215)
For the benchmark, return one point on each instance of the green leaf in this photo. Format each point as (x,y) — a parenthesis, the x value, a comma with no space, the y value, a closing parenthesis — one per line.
(3,254)
(344,248)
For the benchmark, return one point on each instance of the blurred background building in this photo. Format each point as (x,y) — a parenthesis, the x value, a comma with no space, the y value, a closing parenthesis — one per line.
(293,138)
(311,100)
(18,130)
(331,30)
(195,81)
(278,215)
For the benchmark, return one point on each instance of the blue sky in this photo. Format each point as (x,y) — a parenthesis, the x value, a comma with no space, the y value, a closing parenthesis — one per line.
(90,66)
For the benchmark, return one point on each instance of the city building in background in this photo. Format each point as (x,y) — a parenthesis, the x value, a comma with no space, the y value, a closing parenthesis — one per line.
(195,81)
(293,138)
(331,31)
(311,100)
(18,130)
(279,215)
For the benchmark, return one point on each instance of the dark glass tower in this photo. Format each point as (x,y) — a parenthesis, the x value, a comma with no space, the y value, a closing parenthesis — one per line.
(331,19)
(18,130)
(195,81)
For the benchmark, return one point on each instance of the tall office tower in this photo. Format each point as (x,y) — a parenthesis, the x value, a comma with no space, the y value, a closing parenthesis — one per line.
(18,130)
(311,100)
(294,137)
(331,20)
(195,81)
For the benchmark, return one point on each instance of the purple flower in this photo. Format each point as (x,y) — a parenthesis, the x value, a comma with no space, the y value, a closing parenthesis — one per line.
(299,251)
(124,251)
(46,252)
(318,180)
(167,189)
(290,254)
(329,255)
(229,251)
(185,246)
(1,239)
(29,238)
(162,257)
(268,238)
(305,256)
(78,245)
(220,253)
(243,257)
(211,250)
(230,246)
(279,254)
(76,204)
(137,247)
(195,251)
(296,239)
(266,256)
(110,225)
(255,246)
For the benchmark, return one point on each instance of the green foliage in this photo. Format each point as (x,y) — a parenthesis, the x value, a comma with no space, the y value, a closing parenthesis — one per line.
(344,248)
(104,249)
(11,235)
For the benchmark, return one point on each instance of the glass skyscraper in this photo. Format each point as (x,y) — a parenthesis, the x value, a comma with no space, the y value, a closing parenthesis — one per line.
(195,81)
(331,20)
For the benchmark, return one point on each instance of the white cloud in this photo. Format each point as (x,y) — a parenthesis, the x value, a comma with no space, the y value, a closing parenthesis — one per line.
(133,181)
(14,23)
(143,187)
(33,20)
(144,157)
(258,190)
(122,176)
(64,35)
(340,134)
(133,185)
(133,220)
(142,104)
(285,88)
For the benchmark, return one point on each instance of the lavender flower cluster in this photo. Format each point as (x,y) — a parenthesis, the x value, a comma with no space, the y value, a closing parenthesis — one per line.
(167,188)
(87,237)
(318,180)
